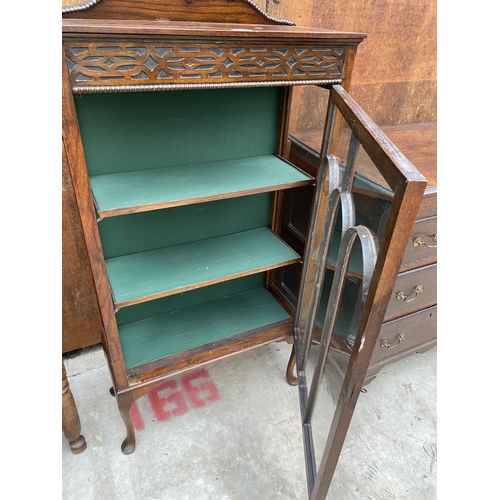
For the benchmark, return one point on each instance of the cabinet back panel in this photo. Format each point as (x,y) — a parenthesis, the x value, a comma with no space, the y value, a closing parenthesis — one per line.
(123,132)
(128,234)
(188,299)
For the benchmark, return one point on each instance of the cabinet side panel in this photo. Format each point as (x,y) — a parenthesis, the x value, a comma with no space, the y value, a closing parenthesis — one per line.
(78,170)
(81,319)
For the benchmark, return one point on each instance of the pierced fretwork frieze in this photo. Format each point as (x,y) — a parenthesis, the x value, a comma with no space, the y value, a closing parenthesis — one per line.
(125,63)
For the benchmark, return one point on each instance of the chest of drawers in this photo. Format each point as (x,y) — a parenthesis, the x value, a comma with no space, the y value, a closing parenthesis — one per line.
(410,322)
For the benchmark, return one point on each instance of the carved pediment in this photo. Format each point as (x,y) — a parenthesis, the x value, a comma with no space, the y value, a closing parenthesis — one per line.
(218,11)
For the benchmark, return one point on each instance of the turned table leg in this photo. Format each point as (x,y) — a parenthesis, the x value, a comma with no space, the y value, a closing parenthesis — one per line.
(70,419)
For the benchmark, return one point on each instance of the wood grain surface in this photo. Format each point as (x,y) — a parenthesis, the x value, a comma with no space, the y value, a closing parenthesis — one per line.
(395,74)
(81,320)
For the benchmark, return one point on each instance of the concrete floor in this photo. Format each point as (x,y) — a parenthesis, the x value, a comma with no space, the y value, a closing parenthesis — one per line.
(239,436)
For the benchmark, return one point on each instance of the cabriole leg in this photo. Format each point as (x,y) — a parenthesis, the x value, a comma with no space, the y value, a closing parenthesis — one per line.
(290,377)
(124,405)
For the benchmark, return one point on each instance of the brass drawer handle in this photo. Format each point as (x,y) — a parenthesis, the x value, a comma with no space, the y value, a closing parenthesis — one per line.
(404,298)
(419,241)
(386,344)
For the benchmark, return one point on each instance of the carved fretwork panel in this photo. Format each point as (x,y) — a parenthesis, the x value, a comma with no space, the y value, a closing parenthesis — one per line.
(97,66)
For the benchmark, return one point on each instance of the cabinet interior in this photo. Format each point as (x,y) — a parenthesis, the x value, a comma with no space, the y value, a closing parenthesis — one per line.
(183,185)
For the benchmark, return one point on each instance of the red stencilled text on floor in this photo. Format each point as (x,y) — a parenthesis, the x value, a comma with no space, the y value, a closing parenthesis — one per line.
(176,396)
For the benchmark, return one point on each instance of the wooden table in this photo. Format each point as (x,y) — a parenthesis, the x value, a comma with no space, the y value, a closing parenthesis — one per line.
(70,418)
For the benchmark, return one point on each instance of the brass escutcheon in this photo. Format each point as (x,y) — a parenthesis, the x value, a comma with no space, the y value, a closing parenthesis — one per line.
(386,344)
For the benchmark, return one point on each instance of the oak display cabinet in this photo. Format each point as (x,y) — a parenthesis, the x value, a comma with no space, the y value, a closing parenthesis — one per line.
(175,132)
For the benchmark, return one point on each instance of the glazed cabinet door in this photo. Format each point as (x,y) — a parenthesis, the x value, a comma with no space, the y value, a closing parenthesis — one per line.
(349,272)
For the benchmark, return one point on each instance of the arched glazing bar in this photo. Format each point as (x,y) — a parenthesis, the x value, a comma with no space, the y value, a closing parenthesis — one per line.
(333,198)
(333,188)
(330,197)
(369,251)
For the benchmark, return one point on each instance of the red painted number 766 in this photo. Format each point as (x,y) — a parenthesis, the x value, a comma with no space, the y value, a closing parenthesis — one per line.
(196,388)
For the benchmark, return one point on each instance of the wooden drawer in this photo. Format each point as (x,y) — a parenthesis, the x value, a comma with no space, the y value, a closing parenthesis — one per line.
(428,207)
(406,297)
(405,333)
(422,246)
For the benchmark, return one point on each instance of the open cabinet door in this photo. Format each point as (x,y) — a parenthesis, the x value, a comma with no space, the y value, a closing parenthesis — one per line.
(347,279)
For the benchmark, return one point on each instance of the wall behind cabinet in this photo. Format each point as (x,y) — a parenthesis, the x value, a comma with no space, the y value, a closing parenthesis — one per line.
(395,72)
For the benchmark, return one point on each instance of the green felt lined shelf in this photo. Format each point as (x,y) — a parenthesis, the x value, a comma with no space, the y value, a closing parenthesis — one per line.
(128,192)
(177,331)
(158,273)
